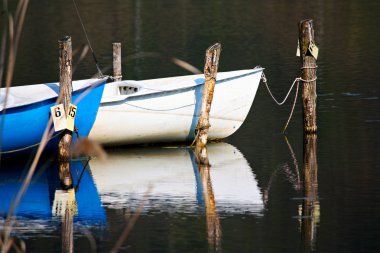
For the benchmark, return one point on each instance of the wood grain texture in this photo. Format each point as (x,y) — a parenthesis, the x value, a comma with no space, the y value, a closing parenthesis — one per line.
(309,94)
(210,72)
(65,90)
(117,61)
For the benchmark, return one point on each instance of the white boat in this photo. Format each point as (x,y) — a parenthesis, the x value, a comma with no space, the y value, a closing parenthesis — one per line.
(167,109)
(173,181)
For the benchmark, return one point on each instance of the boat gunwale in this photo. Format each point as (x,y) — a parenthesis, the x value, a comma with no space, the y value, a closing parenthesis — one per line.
(173,91)
(36,104)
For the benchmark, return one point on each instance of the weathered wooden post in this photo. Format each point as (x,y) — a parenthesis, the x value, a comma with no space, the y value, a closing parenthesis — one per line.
(212,218)
(210,71)
(309,54)
(65,90)
(310,207)
(117,61)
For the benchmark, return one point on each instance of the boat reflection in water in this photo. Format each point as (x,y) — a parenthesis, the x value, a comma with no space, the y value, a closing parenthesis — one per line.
(44,204)
(162,179)
(174,179)
(171,180)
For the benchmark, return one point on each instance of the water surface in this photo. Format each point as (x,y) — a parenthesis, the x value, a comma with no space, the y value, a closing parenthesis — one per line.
(261,205)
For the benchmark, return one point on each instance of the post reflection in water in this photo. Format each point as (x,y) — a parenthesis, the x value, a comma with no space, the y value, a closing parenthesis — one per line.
(65,205)
(67,232)
(309,210)
(65,208)
(293,176)
(310,207)
(214,230)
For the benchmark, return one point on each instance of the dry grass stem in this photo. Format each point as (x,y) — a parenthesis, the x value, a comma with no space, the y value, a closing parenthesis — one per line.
(91,239)
(128,228)
(83,52)
(181,63)
(185,65)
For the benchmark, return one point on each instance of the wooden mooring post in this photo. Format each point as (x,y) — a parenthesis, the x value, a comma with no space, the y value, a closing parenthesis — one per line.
(210,72)
(65,90)
(117,61)
(310,206)
(309,54)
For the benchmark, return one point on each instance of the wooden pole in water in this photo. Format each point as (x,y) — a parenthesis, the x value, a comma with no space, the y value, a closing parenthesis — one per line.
(308,53)
(117,61)
(65,90)
(210,71)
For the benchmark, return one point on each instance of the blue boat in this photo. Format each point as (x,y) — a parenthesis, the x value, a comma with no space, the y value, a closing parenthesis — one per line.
(25,116)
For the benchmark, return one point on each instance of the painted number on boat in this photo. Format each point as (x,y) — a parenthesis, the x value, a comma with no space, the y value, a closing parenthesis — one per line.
(59,117)
(71,117)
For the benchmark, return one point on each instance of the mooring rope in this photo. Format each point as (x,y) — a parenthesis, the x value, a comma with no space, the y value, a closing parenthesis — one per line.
(81,174)
(264,79)
(88,40)
(28,147)
(38,143)
(159,110)
(296,81)
(309,67)
(291,112)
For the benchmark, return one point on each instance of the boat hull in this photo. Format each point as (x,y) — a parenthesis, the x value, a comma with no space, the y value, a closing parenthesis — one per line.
(24,126)
(173,116)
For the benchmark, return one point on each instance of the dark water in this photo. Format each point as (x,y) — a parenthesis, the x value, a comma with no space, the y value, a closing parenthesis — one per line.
(260,208)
